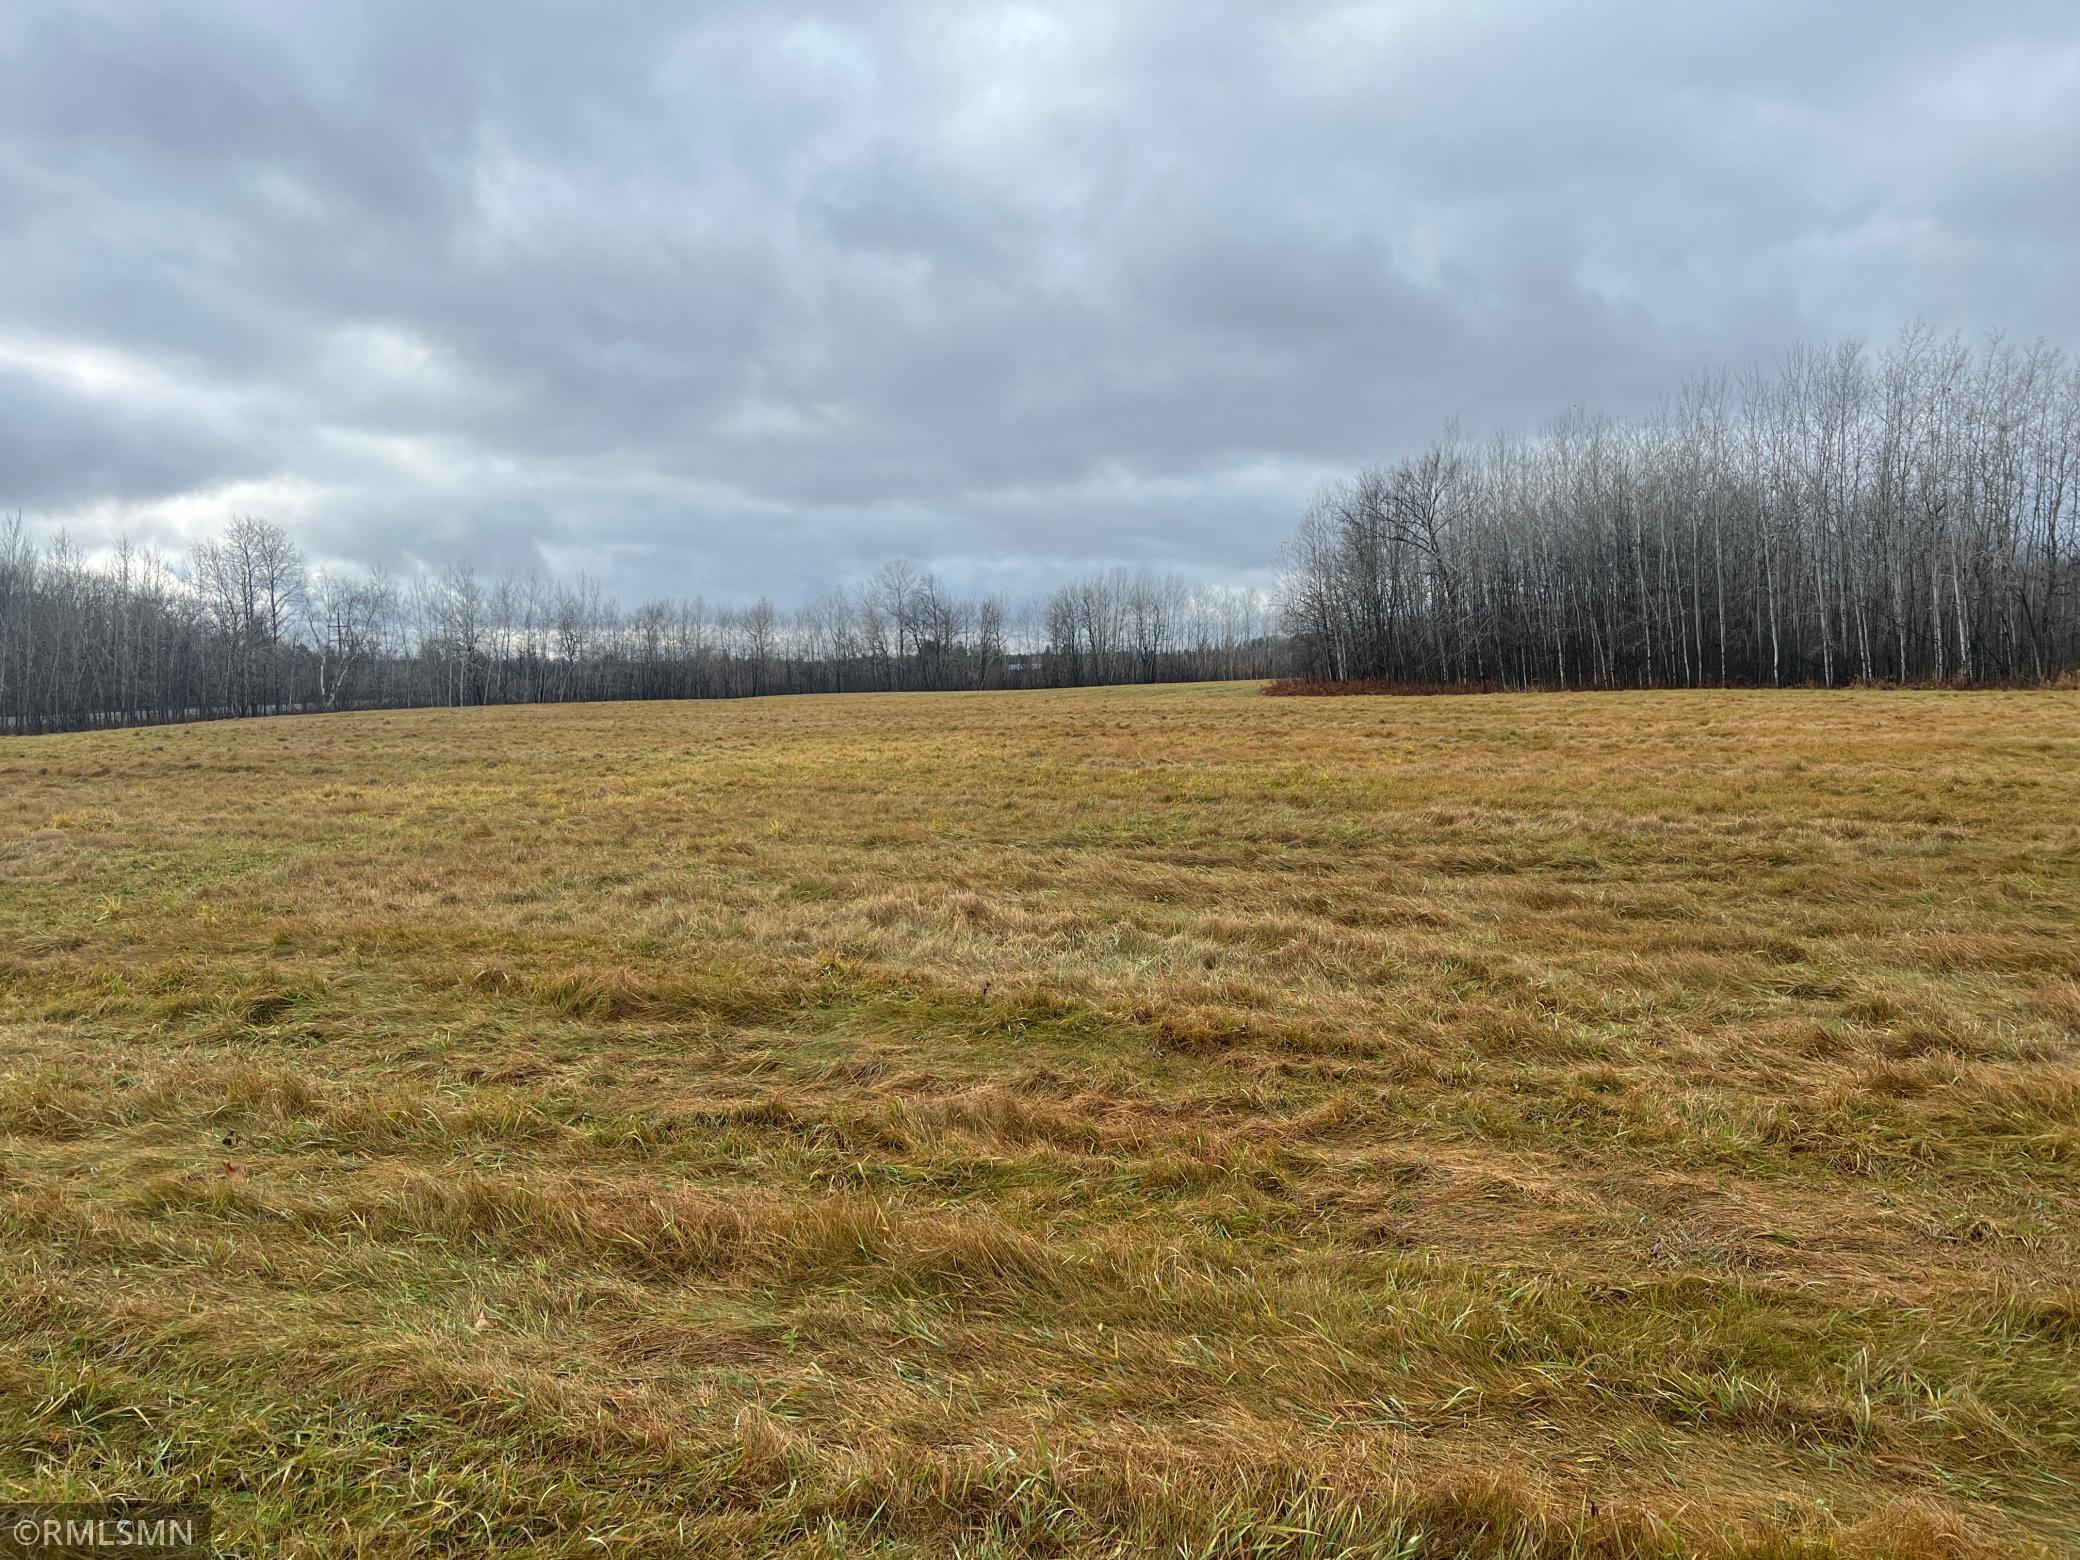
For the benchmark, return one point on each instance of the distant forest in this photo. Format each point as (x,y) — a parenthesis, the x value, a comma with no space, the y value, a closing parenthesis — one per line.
(1843,518)
(1911,516)
(244,627)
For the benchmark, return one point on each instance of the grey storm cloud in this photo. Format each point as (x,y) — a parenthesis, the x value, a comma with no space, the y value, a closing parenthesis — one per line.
(749,297)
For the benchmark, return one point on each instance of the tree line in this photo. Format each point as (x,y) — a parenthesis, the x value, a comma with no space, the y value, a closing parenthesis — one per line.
(1841,517)
(244,625)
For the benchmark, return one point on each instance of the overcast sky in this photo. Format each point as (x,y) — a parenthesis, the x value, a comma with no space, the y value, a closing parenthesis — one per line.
(748,297)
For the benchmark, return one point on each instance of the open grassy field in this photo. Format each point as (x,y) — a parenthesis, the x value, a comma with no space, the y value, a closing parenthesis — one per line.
(1146,1120)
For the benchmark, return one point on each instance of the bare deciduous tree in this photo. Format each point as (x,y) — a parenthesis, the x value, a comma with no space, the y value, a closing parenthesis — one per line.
(1841,519)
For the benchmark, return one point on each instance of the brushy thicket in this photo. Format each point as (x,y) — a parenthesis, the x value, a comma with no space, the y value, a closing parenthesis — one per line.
(1329,688)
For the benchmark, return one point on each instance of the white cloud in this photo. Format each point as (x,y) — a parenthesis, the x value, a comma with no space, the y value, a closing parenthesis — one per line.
(748,298)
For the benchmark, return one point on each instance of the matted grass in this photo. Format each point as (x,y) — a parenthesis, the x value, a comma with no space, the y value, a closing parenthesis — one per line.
(1112,1121)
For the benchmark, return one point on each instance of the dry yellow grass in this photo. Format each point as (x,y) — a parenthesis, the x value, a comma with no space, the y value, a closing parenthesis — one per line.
(1113,1121)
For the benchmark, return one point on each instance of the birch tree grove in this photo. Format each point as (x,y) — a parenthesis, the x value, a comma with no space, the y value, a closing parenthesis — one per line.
(1842,517)
(243,628)
(1910,516)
